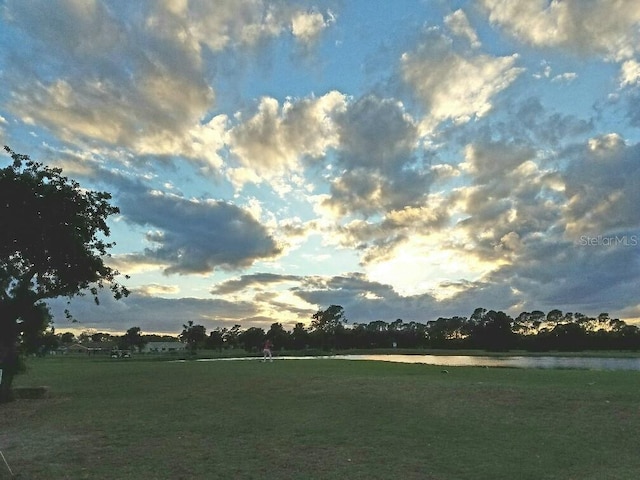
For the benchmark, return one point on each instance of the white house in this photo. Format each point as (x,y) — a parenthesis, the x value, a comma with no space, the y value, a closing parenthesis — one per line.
(163,347)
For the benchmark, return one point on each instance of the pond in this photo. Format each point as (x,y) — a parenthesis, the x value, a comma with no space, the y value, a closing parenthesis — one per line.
(584,363)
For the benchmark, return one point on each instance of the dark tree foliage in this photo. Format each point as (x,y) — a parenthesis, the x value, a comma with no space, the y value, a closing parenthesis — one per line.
(194,336)
(215,340)
(252,338)
(51,245)
(493,331)
(299,337)
(328,326)
(132,339)
(278,336)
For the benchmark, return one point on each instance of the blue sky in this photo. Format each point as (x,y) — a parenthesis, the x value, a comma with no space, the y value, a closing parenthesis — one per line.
(409,159)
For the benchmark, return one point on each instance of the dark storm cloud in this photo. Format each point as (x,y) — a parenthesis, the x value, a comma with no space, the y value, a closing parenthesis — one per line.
(258,280)
(196,236)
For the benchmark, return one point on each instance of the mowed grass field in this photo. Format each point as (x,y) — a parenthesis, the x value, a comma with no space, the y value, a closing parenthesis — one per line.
(319,419)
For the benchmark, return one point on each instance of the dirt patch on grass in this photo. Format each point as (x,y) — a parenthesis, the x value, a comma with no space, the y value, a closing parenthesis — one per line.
(31,393)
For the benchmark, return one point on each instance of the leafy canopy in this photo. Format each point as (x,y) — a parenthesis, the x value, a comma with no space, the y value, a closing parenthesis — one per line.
(51,243)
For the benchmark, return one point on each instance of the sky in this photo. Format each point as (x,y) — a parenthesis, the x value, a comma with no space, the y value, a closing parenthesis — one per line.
(403,159)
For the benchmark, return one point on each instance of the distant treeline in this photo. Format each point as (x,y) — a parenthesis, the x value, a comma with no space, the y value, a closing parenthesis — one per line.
(484,329)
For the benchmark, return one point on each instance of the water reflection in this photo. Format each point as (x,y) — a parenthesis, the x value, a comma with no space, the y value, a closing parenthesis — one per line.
(584,363)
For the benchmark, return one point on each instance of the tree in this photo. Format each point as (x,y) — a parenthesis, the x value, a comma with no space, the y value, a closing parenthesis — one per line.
(326,324)
(279,336)
(252,338)
(52,244)
(215,341)
(231,336)
(299,336)
(67,338)
(493,332)
(101,337)
(448,332)
(133,339)
(193,335)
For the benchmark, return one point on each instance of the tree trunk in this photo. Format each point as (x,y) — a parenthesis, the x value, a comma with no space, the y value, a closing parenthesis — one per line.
(8,355)
(9,367)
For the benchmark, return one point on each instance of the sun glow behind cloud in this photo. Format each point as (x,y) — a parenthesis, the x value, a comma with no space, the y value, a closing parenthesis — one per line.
(425,265)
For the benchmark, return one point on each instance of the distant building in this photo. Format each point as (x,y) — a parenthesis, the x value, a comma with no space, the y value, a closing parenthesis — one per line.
(75,348)
(163,347)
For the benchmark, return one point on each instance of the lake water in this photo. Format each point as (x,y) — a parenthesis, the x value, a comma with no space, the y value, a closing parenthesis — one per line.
(584,363)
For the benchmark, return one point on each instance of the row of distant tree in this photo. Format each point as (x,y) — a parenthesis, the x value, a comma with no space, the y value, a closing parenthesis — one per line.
(483,329)
(330,330)
(133,339)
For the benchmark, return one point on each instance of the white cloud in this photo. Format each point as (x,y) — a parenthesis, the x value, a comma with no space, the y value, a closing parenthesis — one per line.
(239,23)
(565,77)
(460,26)
(138,80)
(597,27)
(630,73)
(453,86)
(307,26)
(201,142)
(147,95)
(273,141)
(156,289)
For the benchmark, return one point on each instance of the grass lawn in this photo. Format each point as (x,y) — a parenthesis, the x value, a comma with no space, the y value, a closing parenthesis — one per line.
(319,419)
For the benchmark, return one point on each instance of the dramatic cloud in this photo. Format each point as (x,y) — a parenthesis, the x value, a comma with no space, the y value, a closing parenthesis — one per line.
(260,280)
(376,167)
(140,81)
(602,188)
(271,158)
(196,236)
(275,139)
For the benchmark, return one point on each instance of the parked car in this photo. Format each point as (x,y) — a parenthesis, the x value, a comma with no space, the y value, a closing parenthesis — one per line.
(115,353)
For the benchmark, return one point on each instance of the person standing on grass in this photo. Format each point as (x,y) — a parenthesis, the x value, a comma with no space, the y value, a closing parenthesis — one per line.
(266,351)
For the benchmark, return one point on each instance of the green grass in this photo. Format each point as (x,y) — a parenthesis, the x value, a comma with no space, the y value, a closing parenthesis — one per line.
(319,419)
